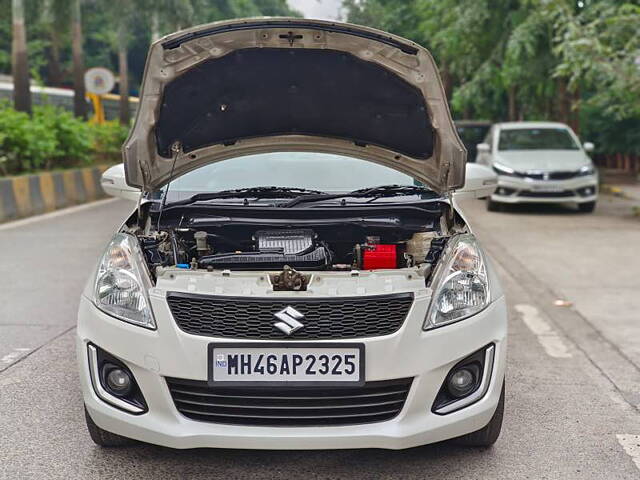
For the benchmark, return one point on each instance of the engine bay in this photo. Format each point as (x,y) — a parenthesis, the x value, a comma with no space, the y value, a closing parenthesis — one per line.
(231,238)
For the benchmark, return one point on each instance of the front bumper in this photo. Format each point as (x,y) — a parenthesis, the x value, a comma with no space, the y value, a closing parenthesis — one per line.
(524,190)
(410,352)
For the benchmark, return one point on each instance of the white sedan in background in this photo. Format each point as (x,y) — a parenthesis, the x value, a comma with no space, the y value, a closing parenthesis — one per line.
(539,162)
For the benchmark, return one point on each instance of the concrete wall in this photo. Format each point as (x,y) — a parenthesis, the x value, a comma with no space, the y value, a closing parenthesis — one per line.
(35,194)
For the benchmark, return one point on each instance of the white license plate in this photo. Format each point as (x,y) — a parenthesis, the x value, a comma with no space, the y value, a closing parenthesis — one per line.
(286,363)
(541,188)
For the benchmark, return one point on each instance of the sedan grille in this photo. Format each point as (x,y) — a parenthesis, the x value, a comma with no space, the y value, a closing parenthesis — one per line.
(561,193)
(562,175)
(559,175)
(290,407)
(324,318)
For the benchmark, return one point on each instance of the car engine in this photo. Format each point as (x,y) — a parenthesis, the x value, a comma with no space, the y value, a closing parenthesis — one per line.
(327,241)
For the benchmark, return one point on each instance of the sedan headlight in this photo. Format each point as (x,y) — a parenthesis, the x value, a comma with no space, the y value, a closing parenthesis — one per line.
(122,283)
(504,170)
(587,170)
(460,285)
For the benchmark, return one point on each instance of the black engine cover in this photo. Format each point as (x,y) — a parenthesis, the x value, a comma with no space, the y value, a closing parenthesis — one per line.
(276,248)
(316,259)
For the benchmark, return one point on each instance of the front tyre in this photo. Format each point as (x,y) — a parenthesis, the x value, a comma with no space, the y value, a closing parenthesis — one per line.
(494,206)
(487,436)
(587,207)
(102,437)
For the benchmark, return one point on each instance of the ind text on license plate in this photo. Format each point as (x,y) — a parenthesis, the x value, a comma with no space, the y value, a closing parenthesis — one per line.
(286,362)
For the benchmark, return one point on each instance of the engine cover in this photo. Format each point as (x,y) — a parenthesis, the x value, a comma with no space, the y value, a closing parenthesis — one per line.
(275,250)
(289,242)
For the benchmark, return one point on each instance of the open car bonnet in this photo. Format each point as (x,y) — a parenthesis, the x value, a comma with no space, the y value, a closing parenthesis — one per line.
(242,87)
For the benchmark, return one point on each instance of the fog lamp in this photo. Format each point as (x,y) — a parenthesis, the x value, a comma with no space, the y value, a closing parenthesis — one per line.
(119,382)
(461,382)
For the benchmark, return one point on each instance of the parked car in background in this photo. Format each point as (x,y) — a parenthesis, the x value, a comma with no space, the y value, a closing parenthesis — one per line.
(539,162)
(472,132)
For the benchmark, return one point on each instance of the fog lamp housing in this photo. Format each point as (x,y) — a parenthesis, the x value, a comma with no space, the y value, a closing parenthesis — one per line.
(113,382)
(466,383)
(504,191)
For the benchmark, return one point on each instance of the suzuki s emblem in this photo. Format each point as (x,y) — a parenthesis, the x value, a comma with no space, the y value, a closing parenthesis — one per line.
(289,320)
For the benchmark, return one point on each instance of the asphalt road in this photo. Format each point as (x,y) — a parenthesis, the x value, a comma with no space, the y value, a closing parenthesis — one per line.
(573,381)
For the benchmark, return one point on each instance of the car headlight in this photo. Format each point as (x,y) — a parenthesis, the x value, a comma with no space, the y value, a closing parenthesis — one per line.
(122,283)
(461,285)
(587,170)
(504,170)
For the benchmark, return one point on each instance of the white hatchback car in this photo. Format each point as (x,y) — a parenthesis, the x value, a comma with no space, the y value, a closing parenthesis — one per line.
(539,162)
(296,274)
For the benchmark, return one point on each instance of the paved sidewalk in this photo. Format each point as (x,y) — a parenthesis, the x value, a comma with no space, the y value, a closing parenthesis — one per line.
(620,185)
(630,192)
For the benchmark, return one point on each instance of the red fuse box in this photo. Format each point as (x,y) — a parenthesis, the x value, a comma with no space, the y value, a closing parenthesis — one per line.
(379,256)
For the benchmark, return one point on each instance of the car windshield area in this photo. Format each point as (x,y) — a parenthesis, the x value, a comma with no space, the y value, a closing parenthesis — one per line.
(275,173)
(536,139)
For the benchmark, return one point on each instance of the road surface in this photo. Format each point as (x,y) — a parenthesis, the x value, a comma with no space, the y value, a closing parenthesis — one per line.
(573,381)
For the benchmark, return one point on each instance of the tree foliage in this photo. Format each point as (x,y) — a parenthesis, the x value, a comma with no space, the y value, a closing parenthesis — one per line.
(575,61)
(49,35)
(52,138)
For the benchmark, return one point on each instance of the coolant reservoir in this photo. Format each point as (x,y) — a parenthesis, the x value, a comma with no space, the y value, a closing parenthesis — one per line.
(419,245)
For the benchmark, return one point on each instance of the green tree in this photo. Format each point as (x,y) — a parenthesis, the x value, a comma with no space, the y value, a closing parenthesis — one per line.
(79,102)
(20,63)
(599,49)
(575,61)
(121,15)
(53,26)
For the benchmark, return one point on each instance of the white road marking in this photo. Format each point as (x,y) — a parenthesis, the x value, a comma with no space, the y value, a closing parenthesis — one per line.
(56,213)
(547,336)
(631,445)
(14,355)
(5,382)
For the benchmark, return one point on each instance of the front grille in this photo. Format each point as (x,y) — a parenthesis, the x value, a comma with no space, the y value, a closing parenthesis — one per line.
(562,175)
(533,176)
(562,193)
(324,318)
(290,406)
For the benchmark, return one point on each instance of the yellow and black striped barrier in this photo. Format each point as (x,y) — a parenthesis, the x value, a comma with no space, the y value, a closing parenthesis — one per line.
(29,195)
